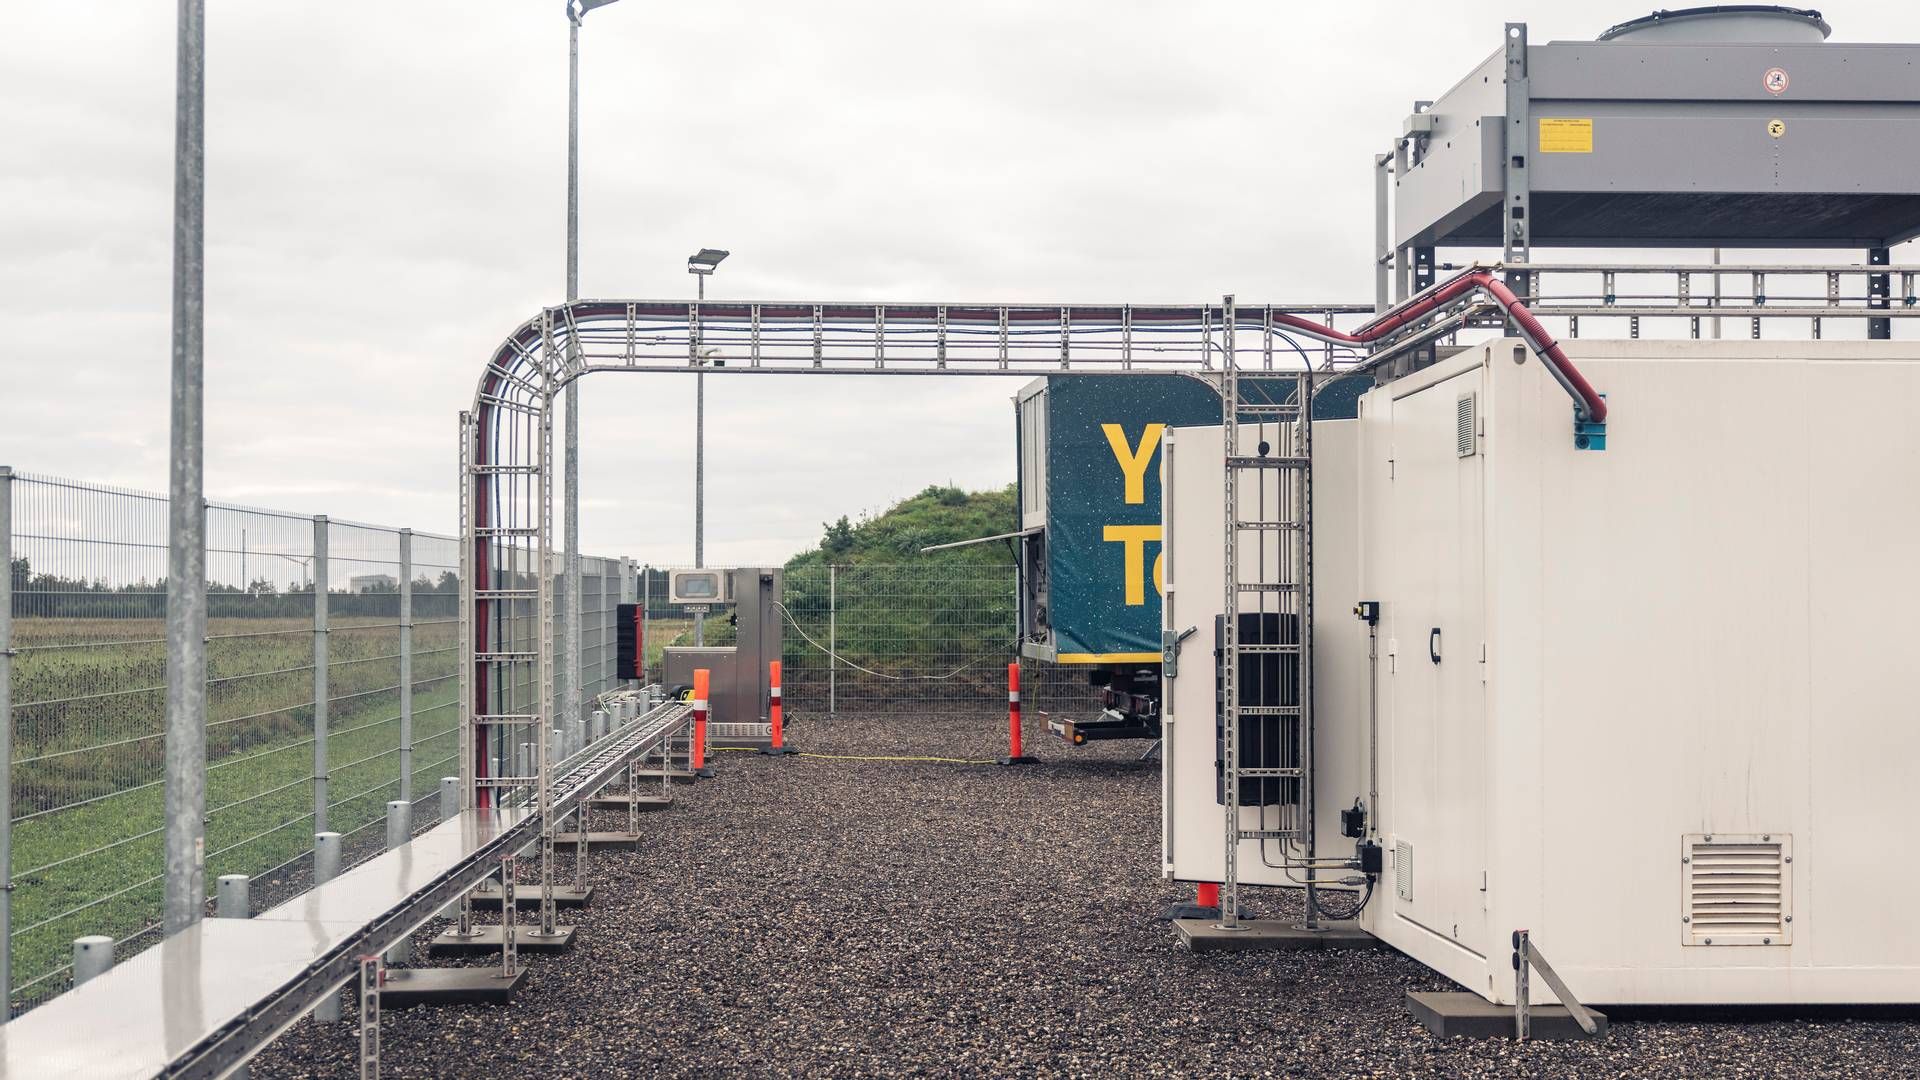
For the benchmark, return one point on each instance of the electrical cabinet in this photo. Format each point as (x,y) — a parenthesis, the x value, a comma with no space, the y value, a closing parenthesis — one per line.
(1646,701)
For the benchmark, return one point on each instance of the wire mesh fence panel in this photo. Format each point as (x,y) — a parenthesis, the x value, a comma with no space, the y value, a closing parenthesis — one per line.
(88,569)
(436,670)
(363,677)
(935,636)
(599,591)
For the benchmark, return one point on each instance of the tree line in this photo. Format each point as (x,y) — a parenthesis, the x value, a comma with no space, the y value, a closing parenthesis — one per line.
(42,595)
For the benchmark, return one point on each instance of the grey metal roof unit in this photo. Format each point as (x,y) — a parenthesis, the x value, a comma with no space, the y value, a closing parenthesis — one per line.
(1736,125)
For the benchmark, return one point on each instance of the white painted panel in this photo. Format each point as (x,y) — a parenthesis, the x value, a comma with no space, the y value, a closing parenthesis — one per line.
(1193,824)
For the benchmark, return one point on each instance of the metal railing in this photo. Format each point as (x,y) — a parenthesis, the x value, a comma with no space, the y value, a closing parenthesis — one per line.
(317,714)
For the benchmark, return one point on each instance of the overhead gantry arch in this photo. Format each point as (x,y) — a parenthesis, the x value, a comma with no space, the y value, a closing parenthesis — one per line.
(506,437)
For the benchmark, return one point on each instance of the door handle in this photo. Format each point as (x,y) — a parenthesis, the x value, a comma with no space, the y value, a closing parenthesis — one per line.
(1433,645)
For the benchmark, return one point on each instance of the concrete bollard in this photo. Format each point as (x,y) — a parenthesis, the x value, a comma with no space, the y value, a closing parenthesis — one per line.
(399,831)
(326,867)
(92,955)
(576,734)
(599,728)
(231,897)
(449,798)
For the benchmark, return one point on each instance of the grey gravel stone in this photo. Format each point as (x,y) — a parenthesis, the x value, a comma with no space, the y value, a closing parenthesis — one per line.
(806,916)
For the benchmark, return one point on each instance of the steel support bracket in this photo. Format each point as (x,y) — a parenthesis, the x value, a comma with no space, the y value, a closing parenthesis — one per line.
(1589,434)
(1170,650)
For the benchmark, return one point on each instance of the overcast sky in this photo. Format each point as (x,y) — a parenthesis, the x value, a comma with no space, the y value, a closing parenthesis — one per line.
(385,201)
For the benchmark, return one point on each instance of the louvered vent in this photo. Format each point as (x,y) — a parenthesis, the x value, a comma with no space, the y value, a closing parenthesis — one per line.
(1738,889)
(1466,424)
(1403,869)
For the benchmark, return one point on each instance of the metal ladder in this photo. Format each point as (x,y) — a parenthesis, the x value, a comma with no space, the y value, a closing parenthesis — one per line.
(1274,485)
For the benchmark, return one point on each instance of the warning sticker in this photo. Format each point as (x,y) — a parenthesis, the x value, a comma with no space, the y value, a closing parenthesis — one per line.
(1776,127)
(1775,80)
(1561,136)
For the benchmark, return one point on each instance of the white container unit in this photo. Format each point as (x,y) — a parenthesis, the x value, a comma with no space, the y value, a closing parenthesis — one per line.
(1672,730)
(1653,703)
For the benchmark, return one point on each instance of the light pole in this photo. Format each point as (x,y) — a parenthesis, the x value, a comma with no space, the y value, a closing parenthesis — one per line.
(567,686)
(701,264)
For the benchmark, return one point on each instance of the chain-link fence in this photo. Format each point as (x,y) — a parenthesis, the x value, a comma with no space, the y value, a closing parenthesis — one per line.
(377,719)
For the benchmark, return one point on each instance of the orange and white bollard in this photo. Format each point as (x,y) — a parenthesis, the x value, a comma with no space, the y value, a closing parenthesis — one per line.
(1014,754)
(701,680)
(775,725)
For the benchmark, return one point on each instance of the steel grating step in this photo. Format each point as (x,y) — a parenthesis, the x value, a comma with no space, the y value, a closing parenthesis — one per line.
(1241,462)
(1269,834)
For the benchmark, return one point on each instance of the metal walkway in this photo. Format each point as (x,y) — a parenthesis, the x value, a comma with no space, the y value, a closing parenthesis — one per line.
(202,1002)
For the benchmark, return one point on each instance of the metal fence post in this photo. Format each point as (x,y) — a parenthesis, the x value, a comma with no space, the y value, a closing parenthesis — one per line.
(646,602)
(449,798)
(6,743)
(326,866)
(320,673)
(399,831)
(185,837)
(833,649)
(406,664)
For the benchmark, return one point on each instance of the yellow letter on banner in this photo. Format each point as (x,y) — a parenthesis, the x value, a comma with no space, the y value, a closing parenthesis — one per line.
(1133,463)
(1135,537)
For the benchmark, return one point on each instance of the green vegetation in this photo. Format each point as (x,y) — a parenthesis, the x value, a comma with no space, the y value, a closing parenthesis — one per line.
(900,611)
(938,515)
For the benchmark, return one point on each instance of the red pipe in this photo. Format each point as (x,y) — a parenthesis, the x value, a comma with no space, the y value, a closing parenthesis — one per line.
(1592,406)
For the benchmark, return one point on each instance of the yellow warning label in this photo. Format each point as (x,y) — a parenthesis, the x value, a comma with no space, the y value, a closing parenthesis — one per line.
(1560,136)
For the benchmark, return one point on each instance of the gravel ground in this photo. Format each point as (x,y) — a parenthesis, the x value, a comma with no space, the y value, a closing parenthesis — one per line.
(809,915)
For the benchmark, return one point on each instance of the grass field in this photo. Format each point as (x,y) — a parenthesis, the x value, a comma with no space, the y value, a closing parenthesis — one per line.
(88,790)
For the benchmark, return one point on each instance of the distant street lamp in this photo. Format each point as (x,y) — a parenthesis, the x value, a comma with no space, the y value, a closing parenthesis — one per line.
(567,687)
(701,264)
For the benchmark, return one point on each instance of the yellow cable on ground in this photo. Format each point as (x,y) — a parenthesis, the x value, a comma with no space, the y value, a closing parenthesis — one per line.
(940,760)
(861,757)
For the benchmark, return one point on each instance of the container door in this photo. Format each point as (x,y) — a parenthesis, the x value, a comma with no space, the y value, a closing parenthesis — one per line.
(1437,612)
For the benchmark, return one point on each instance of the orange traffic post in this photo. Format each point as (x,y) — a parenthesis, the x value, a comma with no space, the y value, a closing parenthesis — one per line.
(776,730)
(701,679)
(1014,754)
(1205,905)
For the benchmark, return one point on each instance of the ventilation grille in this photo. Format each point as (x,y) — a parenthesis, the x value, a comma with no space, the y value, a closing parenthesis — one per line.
(1466,425)
(1403,869)
(1738,889)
